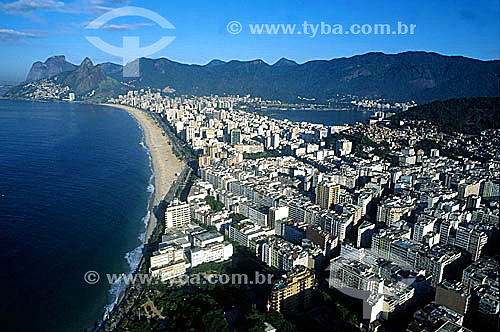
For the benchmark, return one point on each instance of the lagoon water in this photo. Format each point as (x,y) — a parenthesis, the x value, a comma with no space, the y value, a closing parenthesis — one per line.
(73,197)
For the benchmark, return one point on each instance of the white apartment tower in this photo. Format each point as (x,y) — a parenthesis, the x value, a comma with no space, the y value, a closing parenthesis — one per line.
(177,214)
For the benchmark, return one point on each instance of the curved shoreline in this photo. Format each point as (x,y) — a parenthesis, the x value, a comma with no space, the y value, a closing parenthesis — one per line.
(165,163)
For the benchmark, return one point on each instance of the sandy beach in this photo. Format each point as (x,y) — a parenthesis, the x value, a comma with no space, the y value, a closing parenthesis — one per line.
(165,163)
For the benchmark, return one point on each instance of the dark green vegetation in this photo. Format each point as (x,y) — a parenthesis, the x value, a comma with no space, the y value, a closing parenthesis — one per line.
(188,309)
(418,76)
(85,78)
(204,306)
(464,115)
(214,204)
(87,81)
(210,267)
(106,89)
(257,155)
(360,143)
(238,217)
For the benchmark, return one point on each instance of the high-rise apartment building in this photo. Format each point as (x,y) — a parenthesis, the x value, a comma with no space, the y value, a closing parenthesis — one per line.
(471,240)
(293,292)
(177,214)
(327,194)
(235,136)
(343,147)
(346,273)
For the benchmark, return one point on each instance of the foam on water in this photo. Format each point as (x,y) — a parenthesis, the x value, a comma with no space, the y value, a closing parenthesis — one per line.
(151,188)
(133,257)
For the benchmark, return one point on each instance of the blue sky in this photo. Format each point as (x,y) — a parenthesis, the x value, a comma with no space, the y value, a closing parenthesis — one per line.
(32,30)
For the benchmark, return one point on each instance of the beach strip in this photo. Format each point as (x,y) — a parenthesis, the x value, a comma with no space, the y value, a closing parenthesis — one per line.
(165,163)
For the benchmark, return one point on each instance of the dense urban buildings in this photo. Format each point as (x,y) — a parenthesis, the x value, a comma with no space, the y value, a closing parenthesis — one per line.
(401,224)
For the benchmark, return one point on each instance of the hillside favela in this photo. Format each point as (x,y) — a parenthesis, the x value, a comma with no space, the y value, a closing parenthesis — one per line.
(266,166)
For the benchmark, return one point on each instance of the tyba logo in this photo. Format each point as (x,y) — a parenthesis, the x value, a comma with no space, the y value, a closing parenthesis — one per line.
(130,50)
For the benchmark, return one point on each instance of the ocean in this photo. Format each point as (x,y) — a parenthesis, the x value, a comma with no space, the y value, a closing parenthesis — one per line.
(75,184)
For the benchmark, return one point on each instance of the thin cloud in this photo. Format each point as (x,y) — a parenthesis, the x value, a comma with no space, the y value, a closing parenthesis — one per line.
(29,7)
(98,7)
(125,27)
(10,36)
(24,7)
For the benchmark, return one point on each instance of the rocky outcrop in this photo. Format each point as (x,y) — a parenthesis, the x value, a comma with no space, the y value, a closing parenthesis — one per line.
(51,67)
(85,78)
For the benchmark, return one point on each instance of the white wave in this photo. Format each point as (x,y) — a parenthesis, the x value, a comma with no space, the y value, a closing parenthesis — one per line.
(133,257)
(151,188)
(146,218)
(114,292)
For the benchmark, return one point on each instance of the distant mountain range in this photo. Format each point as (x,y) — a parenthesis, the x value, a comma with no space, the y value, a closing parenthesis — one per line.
(418,76)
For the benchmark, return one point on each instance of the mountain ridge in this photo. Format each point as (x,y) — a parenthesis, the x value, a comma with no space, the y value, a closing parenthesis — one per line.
(419,76)
(85,78)
(51,67)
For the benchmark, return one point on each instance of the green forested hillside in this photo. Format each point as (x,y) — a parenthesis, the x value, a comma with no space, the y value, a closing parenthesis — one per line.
(465,115)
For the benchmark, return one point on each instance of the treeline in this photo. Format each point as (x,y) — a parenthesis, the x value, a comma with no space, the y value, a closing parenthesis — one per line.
(463,115)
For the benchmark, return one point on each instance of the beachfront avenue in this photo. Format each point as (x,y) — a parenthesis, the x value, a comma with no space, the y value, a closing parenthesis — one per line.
(382,212)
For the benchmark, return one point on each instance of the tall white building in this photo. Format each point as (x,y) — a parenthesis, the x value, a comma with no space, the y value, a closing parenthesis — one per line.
(213,252)
(177,214)
(244,233)
(276,214)
(345,273)
(327,194)
(471,240)
(422,228)
(343,147)
(168,263)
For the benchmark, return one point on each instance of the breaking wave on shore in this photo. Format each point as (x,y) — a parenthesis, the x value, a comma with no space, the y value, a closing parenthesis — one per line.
(133,257)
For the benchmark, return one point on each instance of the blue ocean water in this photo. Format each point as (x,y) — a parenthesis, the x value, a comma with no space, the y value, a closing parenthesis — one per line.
(74,192)
(75,184)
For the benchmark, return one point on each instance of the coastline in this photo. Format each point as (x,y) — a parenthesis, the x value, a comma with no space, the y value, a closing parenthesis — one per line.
(165,163)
